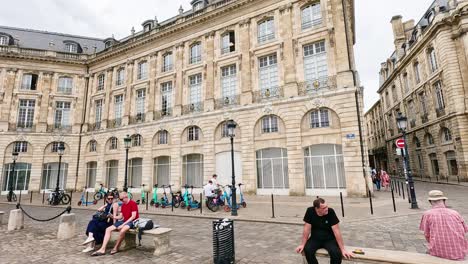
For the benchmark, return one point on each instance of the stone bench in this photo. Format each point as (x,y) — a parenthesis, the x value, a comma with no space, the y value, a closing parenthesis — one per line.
(373,255)
(161,240)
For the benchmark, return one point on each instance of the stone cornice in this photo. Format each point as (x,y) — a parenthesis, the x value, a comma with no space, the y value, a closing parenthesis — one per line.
(41,59)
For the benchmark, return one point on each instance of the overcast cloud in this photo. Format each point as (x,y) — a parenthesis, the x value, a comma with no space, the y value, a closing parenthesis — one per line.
(102,18)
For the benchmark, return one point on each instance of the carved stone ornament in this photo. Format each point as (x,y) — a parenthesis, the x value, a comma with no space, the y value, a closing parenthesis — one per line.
(319,102)
(268,108)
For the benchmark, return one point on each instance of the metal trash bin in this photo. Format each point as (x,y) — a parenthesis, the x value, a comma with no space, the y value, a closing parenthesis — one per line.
(223,242)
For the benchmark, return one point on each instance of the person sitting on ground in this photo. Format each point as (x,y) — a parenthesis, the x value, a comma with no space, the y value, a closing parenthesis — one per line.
(444,229)
(214,180)
(208,189)
(97,226)
(129,213)
(321,230)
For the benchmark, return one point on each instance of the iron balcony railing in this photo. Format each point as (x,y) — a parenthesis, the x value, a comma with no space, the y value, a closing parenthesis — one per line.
(321,84)
(94,126)
(157,115)
(268,94)
(227,101)
(138,118)
(114,123)
(192,108)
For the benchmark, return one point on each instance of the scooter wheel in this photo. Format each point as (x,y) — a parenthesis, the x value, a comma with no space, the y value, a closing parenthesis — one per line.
(79,203)
(244,204)
(156,205)
(188,207)
(227,208)
(138,202)
(152,203)
(163,206)
(95,202)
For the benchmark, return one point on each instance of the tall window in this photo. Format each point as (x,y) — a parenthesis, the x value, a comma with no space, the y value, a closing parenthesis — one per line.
(446,135)
(19,179)
(29,82)
(193,133)
(430,139)
(56,145)
(432,59)
(112,173)
(98,109)
(3,41)
(311,16)
(315,64)
(162,170)
(452,163)
(228,43)
(195,53)
(229,83)
(135,167)
(101,79)
(166,98)
(62,114)
(163,137)
(439,95)
(269,124)
(91,169)
(417,143)
(142,70)
(417,72)
(434,164)
(71,47)
(195,85)
(193,170)
(49,175)
(120,77)
(422,100)
(324,167)
(319,118)
(113,143)
(268,75)
(20,147)
(394,94)
(140,103)
(137,140)
(266,30)
(406,82)
(167,62)
(65,85)
(26,113)
(118,109)
(272,168)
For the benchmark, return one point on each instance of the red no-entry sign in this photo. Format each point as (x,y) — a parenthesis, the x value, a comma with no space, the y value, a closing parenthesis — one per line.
(400,143)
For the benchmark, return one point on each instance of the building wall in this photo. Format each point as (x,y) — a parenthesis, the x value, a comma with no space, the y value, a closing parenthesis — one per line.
(292,106)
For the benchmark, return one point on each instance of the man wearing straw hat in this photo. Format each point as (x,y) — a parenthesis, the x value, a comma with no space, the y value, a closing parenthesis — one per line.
(444,229)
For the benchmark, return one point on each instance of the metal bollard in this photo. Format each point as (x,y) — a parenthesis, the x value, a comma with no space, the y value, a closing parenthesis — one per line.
(43,196)
(20,197)
(30,198)
(393,200)
(71,196)
(403,191)
(398,185)
(86,204)
(201,203)
(408,192)
(447,179)
(272,207)
(147,197)
(458,178)
(370,201)
(342,207)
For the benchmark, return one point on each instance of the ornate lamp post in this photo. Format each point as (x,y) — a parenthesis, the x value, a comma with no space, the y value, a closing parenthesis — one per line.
(402,123)
(127,143)
(231,127)
(60,151)
(11,195)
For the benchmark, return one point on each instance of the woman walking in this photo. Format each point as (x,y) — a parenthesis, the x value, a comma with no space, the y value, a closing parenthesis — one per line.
(385,179)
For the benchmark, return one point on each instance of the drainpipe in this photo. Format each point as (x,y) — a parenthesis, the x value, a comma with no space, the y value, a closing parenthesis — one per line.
(81,125)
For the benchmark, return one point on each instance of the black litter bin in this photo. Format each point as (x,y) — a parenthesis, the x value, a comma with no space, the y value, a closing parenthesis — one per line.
(223,242)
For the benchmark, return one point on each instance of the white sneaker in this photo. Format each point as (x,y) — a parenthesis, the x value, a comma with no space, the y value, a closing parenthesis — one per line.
(88,240)
(88,249)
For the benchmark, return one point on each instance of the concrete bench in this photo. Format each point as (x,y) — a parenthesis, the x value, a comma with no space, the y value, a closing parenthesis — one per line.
(373,255)
(1,217)
(161,240)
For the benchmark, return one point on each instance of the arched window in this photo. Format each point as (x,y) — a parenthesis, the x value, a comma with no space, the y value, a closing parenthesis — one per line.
(311,16)
(56,145)
(429,139)
(193,170)
(71,47)
(163,137)
(137,140)
(320,118)
(93,146)
(432,59)
(416,142)
(269,124)
(113,143)
(266,30)
(20,146)
(446,135)
(193,133)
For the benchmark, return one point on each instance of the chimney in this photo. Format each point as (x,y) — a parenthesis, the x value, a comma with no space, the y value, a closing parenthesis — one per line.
(398,35)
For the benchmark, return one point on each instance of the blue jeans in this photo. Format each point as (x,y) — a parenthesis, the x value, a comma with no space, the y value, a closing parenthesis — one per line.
(120,222)
(377,183)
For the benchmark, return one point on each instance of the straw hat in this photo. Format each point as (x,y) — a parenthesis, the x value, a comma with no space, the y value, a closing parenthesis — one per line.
(436,195)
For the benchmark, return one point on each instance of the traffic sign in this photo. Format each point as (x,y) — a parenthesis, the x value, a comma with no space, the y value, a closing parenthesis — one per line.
(400,143)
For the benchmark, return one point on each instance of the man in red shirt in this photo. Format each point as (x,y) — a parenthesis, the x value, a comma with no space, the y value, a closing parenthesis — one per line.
(129,213)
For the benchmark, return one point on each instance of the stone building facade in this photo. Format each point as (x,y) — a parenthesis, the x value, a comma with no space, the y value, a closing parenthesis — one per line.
(426,79)
(376,137)
(282,70)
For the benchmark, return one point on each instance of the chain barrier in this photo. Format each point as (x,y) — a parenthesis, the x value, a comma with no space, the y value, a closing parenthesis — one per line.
(67,210)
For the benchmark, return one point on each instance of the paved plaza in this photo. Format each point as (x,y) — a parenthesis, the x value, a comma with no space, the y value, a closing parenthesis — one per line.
(262,241)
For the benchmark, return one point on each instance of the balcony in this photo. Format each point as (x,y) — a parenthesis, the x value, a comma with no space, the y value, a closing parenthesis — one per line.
(42,53)
(268,94)
(157,115)
(58,127)
(440,112)
(314,86)
(227,101)
(424,118)
(94,126)
(21,127)
(114,123)
(192,108)
(138,118)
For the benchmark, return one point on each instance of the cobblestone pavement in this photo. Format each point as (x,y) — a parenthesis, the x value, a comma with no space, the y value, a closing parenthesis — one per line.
(255,242)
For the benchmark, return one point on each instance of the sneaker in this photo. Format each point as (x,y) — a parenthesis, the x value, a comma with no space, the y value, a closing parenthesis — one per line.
(88,240)
(88,249)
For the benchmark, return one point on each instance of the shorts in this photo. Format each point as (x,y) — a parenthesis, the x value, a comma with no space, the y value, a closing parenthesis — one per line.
(120,222)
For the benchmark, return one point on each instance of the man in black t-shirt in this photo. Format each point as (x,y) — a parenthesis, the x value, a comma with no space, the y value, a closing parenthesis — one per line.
(321,230)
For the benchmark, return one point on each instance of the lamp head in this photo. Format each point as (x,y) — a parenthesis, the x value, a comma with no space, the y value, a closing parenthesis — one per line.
(402,121)
(61,149)
(15,156)
(127,141)
(231,126)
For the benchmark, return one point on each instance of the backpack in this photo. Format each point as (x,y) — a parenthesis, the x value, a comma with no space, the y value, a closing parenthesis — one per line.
(141,225)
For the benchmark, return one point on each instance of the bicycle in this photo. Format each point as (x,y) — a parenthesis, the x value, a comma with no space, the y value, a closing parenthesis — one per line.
(11,196)
(213,203)
(60,198)
(100,194)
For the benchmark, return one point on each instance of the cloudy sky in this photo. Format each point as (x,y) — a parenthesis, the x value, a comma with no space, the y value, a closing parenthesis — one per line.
(102,18)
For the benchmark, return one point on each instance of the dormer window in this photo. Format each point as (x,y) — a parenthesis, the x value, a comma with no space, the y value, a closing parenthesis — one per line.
(4,40)
(71,47)
(197,6)
(147,28)
(108,44)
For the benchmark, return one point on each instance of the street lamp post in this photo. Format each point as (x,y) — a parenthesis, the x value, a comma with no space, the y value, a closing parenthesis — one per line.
(60,151)
(12,175)
(231,127)
(127,143)
(402,122)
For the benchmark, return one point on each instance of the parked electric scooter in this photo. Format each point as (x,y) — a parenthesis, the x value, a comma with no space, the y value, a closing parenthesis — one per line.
(192,203)
(155,201)
(143,198)
(175,199)
(164,200)
(82,200)
(228,205)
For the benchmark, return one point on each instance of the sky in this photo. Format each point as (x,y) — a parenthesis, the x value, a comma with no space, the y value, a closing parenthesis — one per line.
(104,18)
